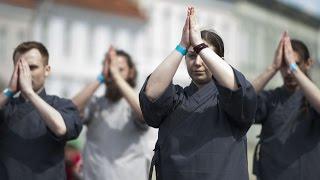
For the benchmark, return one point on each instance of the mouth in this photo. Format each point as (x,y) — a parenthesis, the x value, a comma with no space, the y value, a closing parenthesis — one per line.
(290,81)
(198,71)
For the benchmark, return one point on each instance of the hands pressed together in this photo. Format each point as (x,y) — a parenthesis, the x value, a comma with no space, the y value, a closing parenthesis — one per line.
(284,52)
(21,79)
(110,66)
(191,35)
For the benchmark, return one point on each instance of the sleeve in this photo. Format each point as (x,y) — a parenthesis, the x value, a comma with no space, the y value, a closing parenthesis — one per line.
(89,110)
(240,104)
(155,112)
(314,113)
(71,117)
(263,109)
(6,110)
(2,116)
(143,126)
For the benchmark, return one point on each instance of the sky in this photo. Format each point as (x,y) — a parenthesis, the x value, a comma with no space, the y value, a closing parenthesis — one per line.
(309,6)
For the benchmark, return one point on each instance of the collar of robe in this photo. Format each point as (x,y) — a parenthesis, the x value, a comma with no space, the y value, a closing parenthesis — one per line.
(200,93)
(42,93)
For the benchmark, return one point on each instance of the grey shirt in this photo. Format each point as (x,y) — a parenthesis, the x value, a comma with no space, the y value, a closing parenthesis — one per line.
(115,147)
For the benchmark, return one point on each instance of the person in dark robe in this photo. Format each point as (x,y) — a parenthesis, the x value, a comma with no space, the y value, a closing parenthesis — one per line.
(202,127)
(289,145)
(34,126)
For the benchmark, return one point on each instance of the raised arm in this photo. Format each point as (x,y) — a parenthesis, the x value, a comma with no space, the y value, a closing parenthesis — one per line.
(51,116)
(219,68)
(3,99)
(237,97)
(310,90)
(83,97)
(262,80)
(126,90)
(12,88)
(162,76)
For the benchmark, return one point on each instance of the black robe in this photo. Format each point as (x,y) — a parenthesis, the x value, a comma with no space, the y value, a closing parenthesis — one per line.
(289,146)
(29,150)
(202,132)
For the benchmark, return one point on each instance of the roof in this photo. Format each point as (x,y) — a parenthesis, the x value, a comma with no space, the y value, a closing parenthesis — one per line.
(286,10)
(126,8)
(120,7)
(22,3)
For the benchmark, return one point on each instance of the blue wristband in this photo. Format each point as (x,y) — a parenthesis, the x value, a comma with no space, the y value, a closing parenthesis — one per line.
(8,92)
(181,50)
(101,78)
(293,67)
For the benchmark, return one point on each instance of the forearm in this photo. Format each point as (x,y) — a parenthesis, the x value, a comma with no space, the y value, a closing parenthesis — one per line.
(162,76)
(83,97)
(51,117)
(130,95)
(262,80)
(219,68)
(311,91)
(3,100)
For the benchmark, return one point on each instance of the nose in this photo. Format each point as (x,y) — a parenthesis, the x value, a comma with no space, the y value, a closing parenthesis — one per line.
(198,61)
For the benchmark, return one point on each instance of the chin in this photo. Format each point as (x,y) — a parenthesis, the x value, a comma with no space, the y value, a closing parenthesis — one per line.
(199,80)
(36,89)
(291,87)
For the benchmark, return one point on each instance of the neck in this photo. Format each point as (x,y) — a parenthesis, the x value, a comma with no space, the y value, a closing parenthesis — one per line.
(200,85)
(291,90)
(38,92)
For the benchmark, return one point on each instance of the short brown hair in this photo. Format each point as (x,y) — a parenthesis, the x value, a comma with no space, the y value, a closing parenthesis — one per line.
(26,46)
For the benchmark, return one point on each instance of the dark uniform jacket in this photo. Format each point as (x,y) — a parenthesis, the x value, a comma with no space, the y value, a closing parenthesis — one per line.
(29,150)
(289,146)
(202,132)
